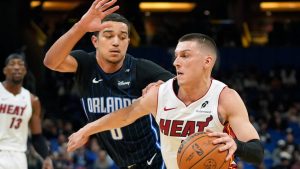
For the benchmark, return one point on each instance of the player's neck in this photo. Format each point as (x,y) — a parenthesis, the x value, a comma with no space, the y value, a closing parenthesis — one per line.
(109,67)
(12,88)
(191,93)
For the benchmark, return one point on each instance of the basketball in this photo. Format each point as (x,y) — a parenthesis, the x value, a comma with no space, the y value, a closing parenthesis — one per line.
(198,152)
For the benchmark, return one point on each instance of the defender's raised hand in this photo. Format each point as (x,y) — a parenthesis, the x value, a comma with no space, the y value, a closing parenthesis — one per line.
(91,20)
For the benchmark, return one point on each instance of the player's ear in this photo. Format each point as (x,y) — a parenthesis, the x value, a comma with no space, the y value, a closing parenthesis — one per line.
(25,71)
(94,40)
(208,59)
(4,70)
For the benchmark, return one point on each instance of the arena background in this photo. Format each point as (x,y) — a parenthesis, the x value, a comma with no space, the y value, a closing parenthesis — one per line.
(259,57)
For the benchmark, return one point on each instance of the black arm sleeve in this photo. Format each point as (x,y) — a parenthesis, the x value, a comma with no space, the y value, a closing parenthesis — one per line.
(40,145)
(251,151)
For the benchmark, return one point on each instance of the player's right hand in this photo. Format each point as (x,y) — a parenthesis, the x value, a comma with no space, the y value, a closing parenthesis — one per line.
(227,140)
(91,20)
(76,140)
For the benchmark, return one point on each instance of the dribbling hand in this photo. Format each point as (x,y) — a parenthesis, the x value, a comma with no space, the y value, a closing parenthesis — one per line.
(226,139)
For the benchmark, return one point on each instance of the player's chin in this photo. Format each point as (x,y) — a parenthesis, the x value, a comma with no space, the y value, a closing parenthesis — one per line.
(17,81)
(180,81)
(116,55)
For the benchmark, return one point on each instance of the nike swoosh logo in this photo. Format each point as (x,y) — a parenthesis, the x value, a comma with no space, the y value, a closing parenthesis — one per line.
(97,81)
(168,109)
(149,162)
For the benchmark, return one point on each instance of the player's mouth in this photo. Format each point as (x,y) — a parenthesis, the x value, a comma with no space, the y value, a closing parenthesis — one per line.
(116,51)
(179,73)
(17,76)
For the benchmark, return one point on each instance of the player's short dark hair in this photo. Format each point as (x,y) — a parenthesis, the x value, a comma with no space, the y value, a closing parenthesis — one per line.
(115,17)
(201,39)
(15,56)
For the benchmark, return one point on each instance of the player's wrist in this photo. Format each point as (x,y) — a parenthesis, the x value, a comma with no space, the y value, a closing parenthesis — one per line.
(251,151)
(85,131)
(80,27)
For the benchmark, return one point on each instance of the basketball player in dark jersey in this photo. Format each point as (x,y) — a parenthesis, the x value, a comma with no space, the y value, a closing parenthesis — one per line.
(110,79)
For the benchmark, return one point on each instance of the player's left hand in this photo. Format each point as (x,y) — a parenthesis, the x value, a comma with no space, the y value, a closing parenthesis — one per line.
(47,164)
(76,140)
(226,139)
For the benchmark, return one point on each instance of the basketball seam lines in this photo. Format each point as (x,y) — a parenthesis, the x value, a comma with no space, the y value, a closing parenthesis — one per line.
(189,145)
(204,156)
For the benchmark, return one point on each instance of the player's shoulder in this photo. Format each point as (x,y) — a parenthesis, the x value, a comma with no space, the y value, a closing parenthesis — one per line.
(144,61)
(229,97)
(229,91)
(34,98)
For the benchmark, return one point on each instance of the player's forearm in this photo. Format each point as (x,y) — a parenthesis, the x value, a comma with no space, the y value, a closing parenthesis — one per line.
(63,46)
(120,118)
(251,151)
(40,145)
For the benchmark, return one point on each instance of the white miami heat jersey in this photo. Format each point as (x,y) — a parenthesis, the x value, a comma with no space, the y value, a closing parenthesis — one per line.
(15,113)
(177,121)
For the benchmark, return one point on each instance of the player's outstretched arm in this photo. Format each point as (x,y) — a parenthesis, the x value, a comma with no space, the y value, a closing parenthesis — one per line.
(57,57)
(120,118)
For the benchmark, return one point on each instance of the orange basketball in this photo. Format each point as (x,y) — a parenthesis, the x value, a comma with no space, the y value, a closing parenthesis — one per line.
(198,152)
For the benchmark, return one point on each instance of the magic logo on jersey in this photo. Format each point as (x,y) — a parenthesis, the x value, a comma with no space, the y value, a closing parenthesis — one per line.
(107,104)
(182,128)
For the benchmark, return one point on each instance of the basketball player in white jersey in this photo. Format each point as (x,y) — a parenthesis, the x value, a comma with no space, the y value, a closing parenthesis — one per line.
(19,111)
(191,102)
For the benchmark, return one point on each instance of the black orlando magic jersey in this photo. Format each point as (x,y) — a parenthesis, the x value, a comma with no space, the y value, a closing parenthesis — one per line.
(102,93)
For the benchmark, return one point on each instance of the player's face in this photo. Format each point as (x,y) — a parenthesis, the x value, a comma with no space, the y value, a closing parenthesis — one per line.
(189,62)
(15,70)
(112,43)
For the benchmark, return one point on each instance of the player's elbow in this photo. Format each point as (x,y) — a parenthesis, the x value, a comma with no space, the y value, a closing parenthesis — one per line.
(49,62)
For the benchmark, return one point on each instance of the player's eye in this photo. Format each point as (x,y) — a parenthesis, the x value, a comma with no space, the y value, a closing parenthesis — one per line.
(123,37)
(108,35)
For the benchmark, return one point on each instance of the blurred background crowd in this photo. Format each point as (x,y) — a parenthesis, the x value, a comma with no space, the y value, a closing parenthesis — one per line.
(258,56)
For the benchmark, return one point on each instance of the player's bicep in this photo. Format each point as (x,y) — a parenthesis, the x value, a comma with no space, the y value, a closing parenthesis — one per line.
(235,112)
(35,121)
(68,65)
